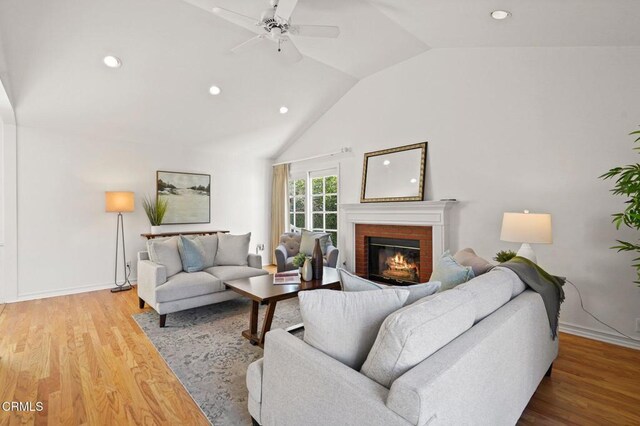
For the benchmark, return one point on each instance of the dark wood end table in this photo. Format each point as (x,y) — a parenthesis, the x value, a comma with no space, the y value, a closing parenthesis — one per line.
(262,291)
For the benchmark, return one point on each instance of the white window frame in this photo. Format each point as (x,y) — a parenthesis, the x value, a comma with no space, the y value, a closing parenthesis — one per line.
(302,171)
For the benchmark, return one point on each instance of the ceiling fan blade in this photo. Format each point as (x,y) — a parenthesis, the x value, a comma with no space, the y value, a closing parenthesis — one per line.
(285,9)
(288,50)
(328,31)
(236,18)
(247,45)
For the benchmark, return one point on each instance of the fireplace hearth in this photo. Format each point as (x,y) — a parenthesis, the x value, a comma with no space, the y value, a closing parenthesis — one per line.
(394,260)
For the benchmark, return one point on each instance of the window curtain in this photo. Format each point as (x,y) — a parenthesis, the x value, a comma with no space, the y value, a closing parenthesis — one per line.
(279,206)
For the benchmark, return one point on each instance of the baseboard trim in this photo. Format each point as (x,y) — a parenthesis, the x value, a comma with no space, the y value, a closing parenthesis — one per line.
(23,297)
(601,336)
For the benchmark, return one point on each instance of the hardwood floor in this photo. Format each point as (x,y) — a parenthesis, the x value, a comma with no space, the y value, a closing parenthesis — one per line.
(87,360)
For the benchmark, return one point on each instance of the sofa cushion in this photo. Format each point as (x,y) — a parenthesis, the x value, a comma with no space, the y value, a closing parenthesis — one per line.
(351,282)
(228,273)
(344,325)
(450,273)
(308,242)
(184,285)
(165,252)
(191,253)
(468,257)
(210,244)
(291,242)
(489,291)
(232,249)
(410,335)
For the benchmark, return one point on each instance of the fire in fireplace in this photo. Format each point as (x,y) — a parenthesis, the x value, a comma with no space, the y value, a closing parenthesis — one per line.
(394,261)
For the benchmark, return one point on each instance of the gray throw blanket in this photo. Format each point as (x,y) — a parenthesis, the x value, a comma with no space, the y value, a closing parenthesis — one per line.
(546,285)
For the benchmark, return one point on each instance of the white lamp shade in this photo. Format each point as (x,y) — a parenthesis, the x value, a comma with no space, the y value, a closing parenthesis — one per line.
(526,228)
(119,201)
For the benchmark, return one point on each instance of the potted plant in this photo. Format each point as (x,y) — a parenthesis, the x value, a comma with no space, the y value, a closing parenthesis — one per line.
(504,255)
(628,185)
(155,211)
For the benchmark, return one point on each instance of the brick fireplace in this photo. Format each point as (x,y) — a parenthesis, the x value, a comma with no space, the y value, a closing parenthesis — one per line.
(394,238)
(420,225)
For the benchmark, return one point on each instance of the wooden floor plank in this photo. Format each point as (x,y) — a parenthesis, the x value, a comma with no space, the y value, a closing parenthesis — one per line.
(87,360)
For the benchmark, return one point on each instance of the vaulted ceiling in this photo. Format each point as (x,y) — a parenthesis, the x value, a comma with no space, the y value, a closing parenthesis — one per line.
(174,50)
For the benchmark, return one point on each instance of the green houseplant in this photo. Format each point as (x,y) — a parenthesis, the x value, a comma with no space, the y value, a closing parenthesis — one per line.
(627,184)
(155,210)
(504,255)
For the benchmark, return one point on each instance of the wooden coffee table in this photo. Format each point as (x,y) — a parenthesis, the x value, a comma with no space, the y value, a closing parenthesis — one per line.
(262,291)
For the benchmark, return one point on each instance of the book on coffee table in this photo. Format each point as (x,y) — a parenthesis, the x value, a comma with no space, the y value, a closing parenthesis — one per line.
(284,278)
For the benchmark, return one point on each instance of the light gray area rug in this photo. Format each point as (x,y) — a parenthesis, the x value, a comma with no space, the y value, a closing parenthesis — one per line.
(206,351)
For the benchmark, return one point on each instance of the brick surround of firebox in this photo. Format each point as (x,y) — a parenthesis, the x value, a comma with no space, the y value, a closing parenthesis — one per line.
(422,233)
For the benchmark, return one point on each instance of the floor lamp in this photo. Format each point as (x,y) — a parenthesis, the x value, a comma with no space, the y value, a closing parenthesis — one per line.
(120,202)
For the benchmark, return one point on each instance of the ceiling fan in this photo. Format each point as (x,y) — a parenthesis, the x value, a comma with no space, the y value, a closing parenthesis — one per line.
(275,25)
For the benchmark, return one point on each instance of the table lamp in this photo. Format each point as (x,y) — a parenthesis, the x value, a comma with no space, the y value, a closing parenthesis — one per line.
(120,202)
(526,228)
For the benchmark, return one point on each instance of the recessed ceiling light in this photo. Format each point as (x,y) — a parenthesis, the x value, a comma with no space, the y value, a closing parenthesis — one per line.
(284,110)
(413,180)
(500,14)
(386,162)
(112,61)
(214,90)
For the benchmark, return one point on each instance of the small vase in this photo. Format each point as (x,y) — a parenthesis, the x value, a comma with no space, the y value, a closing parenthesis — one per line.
(156,229)
(317,261)
(307,271)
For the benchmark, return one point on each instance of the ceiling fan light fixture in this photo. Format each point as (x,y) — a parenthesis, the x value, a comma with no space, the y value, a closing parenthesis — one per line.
(112,61)
(284,109)
(500,14)
(214,90)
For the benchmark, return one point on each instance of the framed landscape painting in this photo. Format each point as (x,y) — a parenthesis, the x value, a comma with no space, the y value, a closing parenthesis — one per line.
(188,197)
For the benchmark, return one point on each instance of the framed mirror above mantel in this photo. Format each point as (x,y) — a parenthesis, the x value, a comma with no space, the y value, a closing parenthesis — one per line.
(395,174)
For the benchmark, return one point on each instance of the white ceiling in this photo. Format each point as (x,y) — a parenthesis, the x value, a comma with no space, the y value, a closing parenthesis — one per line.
(173,50)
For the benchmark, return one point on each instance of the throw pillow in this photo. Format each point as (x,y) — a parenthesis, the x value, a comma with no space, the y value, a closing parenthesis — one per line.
(192,254)
(344,325)
(233,250)
(412,334)
(210,244)
(450,273)
(308,242)
(351,282)
(468,257)
(165,253)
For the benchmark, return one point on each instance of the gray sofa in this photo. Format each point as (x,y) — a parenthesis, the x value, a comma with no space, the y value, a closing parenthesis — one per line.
(186,290)
(290,246)
(485,376)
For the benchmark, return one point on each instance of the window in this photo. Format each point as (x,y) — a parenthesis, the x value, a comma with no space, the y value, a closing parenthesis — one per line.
(319,191)
(297,202)
(324,202)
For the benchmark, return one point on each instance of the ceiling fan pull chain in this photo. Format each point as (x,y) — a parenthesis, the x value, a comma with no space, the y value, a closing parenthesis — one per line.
(279,45)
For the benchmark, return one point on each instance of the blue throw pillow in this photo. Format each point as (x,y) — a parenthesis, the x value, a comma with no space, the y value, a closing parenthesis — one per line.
(450,273)
(192,254)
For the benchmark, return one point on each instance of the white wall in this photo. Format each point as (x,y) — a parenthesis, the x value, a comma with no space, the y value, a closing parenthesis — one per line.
(508,129)
(8,235)
(67,241)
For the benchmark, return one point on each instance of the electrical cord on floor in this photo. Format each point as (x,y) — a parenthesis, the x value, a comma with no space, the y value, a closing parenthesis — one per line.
(596,318)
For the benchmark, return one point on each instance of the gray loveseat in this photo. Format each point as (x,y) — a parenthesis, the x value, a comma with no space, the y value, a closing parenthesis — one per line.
(172,292)
(485,376)
(290,246)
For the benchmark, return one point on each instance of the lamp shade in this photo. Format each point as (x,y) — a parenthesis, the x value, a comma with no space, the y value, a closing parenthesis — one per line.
(526,228)
(119,201)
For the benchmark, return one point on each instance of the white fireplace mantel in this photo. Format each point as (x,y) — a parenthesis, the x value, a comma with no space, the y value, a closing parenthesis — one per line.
(423,213)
